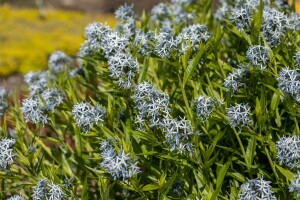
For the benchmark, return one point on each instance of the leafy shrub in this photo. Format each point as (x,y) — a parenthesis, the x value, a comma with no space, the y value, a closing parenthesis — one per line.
(183,103)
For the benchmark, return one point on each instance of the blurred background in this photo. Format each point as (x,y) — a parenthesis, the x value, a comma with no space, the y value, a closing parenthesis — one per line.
(31,29)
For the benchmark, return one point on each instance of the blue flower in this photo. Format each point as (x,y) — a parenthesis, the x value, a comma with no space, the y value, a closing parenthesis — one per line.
(275,24)
(235,80)
(204,107)
(257,189)
(239,115)
(86,115)
(288,151)
(178,134)
(165,44)
(295,185)
(6,153)
(123,67)
(52,98)
(55,192)
(142,40)
(152,105)
(258,56)
(58,61)
(289,82)
(241,17)
(37,82)
(119,165)
(124,12)
(33,110)
(194,34)
(40,190)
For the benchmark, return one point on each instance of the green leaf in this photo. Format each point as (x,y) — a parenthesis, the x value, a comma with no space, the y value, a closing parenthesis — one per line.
(150,187)
(192,66)
(256,22)
(287,173)
(168,185)
(250,152)
(220,179)
(237,176)
(84,192)
(275,101)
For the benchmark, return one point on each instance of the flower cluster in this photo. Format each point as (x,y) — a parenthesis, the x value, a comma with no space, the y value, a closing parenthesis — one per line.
(114,46)
(46,190)
(58,61)
(239,115)
(294,22)
(223,12)
(295,185)
(289,82)
(178,134)
(193,34)
(94,33)
(241,17)
(52,98)
(160,12)
(127,26)
(164,13)
(37,82)
(165,44)
(257,189)
(288,151)
(86,115)
(6,153)
(40,190)
(33,111)
(180,14)
(235,80)
(204,107)
(258,56)
(55,192)
(143,41)
(252,4)
(239,12)
(152,105)
(275,24)
(123,67)
(113,43)
(35,108)
(124,12)
(119,165)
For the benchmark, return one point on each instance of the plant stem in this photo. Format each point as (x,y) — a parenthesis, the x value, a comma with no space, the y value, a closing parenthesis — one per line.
(271,163)
(243,151)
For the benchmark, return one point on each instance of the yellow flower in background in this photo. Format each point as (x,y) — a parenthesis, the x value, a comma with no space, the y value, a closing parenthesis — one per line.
(27,40)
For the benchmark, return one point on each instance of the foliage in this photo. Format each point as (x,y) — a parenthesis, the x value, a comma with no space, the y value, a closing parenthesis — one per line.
(175,104)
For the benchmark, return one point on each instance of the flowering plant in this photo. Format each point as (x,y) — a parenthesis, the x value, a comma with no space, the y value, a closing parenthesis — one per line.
(180,103)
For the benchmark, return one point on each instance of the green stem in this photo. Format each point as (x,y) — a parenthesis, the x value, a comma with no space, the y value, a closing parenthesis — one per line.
(185,100)
(243,151)
(271,163)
